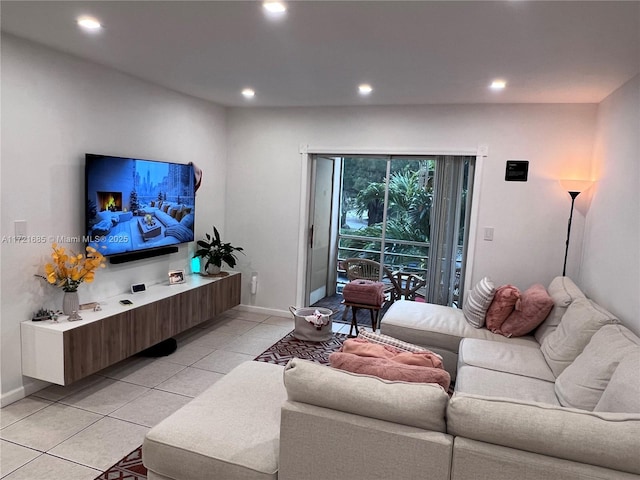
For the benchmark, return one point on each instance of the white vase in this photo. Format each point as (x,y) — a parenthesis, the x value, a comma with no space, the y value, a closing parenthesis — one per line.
(213,269)
(70,303)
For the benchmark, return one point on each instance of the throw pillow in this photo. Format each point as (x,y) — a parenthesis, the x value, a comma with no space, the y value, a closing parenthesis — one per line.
(478,301)
(582,319)
(413,404)
(394,342)
(389,370)
(531,310)
(504,301)
(563,291)
(582,383)
(622,394)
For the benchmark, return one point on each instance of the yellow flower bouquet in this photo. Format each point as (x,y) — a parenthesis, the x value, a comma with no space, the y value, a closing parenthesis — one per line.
(69,270)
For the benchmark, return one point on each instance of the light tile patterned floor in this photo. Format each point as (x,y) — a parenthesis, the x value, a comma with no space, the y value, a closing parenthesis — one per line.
(77,432)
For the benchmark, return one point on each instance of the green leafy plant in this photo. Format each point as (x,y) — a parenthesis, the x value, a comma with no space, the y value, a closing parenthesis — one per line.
(216,251)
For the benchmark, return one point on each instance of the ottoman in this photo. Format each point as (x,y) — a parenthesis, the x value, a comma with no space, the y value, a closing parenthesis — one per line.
(366,295)
(230,431)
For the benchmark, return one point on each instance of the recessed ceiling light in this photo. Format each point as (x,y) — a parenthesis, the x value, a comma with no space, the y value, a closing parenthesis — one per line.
(498,85)
(365,89)
(89,23)
(274,7)
(248,93)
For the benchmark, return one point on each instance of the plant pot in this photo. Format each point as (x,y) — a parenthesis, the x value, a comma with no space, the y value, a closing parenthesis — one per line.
(70,303)
(213,269)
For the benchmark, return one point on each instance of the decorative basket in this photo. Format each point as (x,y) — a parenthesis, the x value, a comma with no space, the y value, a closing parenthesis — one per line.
(308,331)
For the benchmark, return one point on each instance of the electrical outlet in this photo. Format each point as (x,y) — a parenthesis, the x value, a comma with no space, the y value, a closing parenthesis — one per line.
(20,228)
(488,234)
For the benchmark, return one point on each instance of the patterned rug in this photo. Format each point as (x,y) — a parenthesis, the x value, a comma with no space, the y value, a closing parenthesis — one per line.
(289,347)
(131,467)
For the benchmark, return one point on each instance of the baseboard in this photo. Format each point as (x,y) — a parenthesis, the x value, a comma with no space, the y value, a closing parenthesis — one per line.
(264,311)
(32,386)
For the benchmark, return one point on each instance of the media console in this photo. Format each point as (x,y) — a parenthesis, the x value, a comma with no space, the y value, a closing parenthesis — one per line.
(65,352)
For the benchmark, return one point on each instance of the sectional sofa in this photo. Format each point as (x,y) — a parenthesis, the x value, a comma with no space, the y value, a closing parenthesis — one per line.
(561,404)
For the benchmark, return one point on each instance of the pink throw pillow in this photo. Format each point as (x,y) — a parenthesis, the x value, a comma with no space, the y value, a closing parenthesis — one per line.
(389,370)
(531,310)
(504,301)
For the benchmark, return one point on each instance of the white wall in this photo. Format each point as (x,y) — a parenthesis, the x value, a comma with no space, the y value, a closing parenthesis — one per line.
(54,109)
(265,180)
(611,252)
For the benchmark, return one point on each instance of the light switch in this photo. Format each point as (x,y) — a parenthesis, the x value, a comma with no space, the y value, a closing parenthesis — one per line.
(488,234)
(20,228)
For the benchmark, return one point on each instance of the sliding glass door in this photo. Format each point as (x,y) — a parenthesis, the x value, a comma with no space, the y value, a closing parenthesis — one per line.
(410,214)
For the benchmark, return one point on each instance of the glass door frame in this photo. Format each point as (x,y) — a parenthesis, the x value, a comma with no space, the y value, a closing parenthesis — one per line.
(306,156)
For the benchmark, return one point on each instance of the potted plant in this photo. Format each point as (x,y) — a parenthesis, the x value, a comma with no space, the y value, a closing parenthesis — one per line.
(216,252)
(68,270)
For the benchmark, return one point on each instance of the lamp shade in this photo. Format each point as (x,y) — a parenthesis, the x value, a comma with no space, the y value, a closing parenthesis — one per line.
(576,185)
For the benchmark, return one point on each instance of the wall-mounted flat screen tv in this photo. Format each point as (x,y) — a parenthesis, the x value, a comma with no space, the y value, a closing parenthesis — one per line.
(135,205)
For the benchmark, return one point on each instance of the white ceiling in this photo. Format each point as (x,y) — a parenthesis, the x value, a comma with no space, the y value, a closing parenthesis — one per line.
(417,52)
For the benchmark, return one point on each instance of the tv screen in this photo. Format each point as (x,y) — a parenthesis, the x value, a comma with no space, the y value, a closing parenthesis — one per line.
(135,205)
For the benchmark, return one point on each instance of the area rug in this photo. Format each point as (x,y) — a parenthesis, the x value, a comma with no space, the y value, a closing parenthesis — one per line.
(129,468)
(288,347)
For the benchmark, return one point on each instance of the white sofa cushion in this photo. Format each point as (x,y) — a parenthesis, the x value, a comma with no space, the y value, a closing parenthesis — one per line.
(482,381)
(582,319)
(623,390)
(477,302)
(609,440)
(563,292)
(419,405)
(525,360)
(437,326)
(231,430)
(474,460)
(581,384)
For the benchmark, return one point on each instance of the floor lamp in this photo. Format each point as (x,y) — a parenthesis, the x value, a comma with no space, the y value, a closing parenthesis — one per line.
(573,188)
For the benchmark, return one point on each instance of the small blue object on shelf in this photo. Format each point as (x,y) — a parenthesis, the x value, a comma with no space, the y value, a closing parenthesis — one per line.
(195,265)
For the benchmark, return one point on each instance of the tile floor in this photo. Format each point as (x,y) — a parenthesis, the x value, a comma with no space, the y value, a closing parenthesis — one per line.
(77,432)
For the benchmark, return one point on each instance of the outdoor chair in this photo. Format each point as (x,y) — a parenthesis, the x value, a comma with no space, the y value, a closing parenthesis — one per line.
(410,285)
(365,269)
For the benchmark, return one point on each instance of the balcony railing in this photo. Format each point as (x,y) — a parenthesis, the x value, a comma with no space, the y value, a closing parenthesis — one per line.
(399,255)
